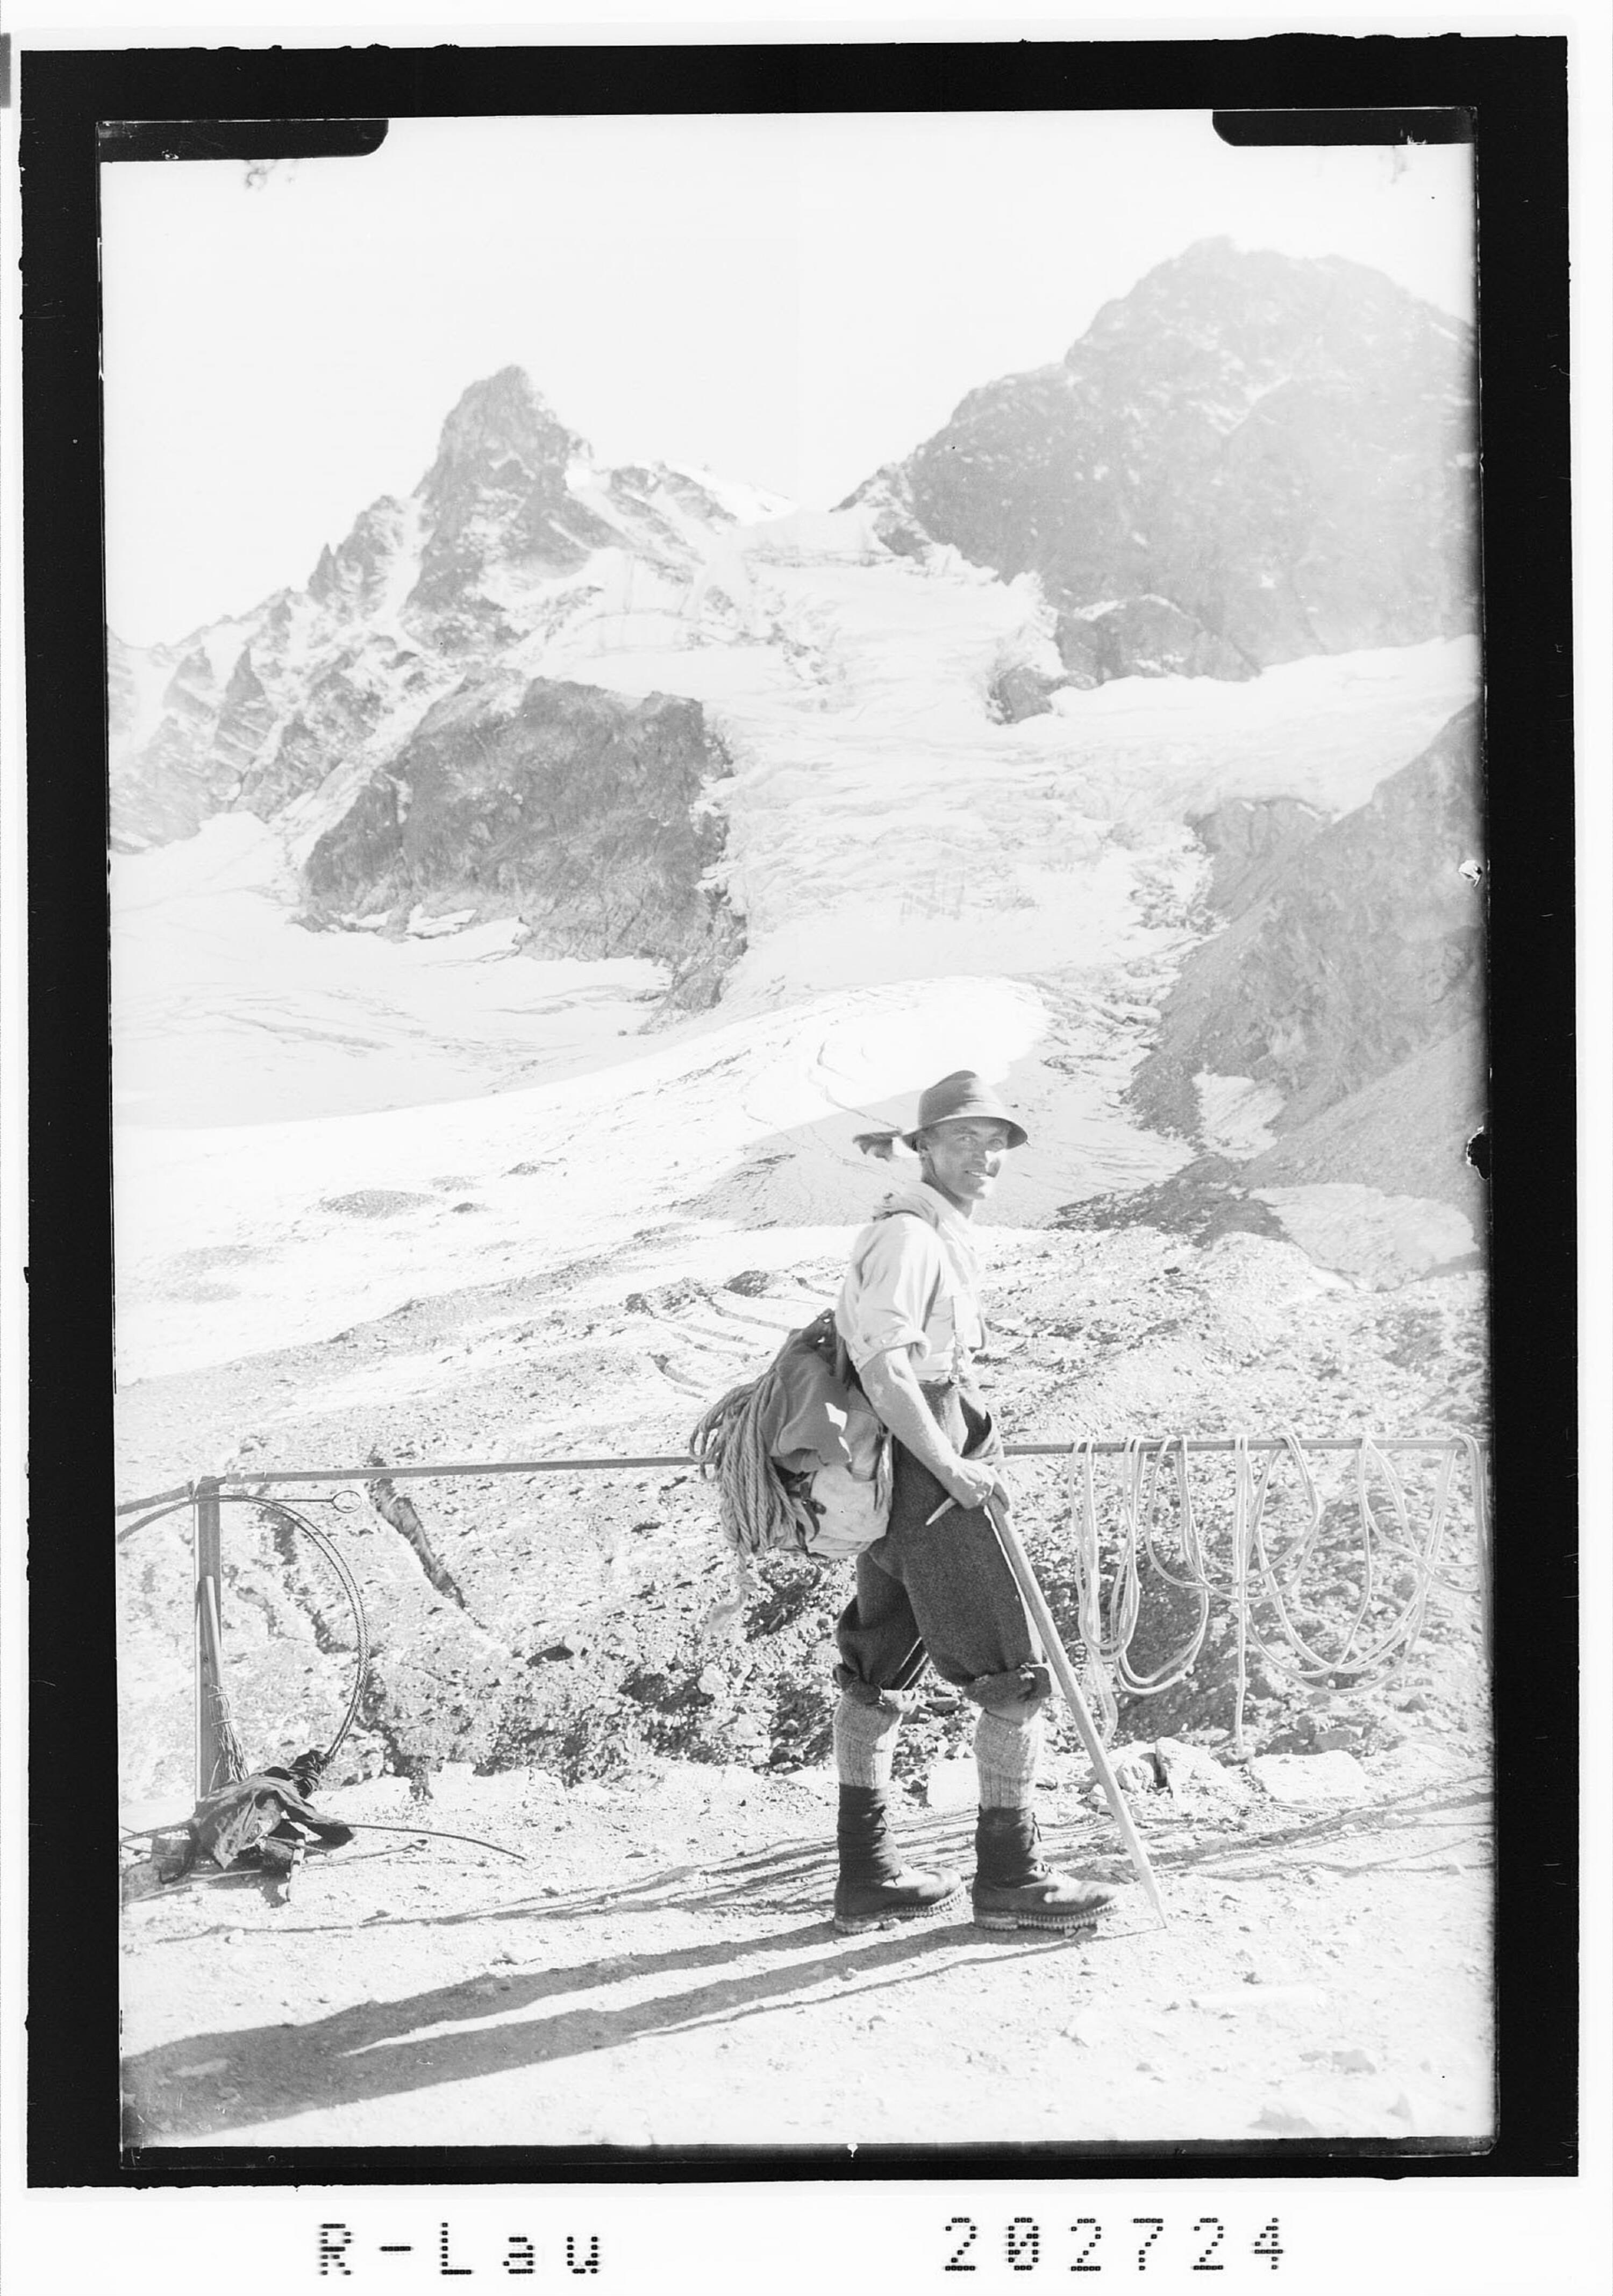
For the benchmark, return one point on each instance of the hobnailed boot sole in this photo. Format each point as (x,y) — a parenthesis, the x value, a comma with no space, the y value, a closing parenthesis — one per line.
(1013,1887)
(892,1917)
(1070,1923)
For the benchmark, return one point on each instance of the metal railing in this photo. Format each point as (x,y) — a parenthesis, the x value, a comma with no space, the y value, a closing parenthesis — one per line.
(206,1494)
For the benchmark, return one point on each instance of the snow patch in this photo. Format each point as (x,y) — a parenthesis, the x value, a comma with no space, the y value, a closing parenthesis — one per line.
(748,504)
(226,1011)
(1382,1241)
(1326,730)
(423,926)
(1234,1113)
(706,1139)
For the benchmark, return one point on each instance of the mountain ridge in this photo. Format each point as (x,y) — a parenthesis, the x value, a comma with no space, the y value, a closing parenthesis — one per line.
(1276,453)
(497,538)
(603,703)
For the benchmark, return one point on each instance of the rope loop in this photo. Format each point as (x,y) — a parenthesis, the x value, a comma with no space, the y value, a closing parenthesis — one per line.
(1089,1657)
(1264,1575)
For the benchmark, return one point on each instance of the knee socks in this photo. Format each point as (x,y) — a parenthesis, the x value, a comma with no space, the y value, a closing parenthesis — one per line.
(864,1743)
(1006,1753)
(1005,1756)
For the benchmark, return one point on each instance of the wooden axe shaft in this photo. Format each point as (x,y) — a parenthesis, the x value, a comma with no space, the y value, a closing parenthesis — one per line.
(1058,1658)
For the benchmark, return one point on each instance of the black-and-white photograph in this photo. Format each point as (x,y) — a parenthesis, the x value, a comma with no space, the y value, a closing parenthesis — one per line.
(798,893)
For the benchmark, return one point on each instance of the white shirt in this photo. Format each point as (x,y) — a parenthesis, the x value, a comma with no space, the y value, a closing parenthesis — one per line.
(913,1283)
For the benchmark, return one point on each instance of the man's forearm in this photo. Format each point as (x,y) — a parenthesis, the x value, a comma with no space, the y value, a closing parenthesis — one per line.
(889,1385)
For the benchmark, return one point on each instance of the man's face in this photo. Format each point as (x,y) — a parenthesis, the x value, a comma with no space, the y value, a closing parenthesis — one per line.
(963,1155)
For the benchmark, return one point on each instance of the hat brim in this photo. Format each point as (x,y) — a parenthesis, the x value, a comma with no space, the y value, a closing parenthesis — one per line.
(1016,1135)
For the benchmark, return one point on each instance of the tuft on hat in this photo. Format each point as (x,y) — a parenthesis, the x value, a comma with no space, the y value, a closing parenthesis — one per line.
(962,1094)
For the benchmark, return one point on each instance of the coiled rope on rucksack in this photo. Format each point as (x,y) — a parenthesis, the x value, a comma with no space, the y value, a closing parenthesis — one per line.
(756,1512)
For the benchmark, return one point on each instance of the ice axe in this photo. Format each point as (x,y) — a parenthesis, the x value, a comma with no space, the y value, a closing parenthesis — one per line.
(1058,1658)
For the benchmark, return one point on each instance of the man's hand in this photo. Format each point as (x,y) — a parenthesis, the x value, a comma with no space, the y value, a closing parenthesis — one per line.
(971,1482)
(889,1385)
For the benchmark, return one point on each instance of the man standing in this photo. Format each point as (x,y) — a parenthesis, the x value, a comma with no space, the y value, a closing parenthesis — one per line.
(938,1586)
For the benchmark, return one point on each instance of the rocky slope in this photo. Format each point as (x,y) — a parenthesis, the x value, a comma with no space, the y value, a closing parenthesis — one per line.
(1346,990)
(577,810)
(383,690)
(1248,458)
(578,1635)
(512,531)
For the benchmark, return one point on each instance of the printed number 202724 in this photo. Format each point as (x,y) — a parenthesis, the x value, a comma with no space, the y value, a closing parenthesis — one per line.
(1130,2244)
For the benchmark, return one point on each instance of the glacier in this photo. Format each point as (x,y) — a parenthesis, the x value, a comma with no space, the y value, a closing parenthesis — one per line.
(923,887)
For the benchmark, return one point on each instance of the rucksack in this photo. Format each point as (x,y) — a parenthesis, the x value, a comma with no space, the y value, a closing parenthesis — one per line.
(800,1459)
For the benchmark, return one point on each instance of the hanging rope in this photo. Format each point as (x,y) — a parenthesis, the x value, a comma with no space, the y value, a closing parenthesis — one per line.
(1263,1588)
(235,1759)
(368,1825)
(1261,1580)
(1088,1655)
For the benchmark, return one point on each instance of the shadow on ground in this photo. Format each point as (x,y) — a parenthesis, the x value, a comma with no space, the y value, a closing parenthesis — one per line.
(388,2049)
(383,2049)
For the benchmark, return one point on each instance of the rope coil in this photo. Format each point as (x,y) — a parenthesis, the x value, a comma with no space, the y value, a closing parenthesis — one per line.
(235,1759)
(1400,1565)
(1262,1587)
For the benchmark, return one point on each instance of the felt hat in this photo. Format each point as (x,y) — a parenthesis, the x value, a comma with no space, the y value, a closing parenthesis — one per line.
(962,1094)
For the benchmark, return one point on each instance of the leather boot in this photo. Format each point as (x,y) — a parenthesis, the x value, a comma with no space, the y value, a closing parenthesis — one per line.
(874,1889)
(1015,1886)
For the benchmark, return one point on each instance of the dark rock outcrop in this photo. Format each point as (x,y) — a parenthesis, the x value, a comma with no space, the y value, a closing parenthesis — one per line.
(352,578)
(1249,458)
(1205,1201)
(1250,840)
(574,808)
(1020,691)
(245,717)
(1145,638)
(338,709)
(1362,951)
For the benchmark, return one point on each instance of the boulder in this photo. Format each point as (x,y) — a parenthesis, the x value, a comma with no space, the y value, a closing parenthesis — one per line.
(1311,1780)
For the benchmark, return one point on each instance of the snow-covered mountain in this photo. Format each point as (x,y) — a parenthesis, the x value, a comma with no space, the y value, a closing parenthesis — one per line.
(1250,458)
(548,755)
(510,532)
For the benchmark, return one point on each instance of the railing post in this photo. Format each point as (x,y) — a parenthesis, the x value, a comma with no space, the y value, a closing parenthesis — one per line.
(210,1761)
(1478,1469)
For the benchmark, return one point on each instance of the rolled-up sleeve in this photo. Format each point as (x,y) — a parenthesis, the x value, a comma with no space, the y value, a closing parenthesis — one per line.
(891,1291)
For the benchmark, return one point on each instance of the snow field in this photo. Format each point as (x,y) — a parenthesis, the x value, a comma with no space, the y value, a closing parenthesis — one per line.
(307,1227)
(224,1011)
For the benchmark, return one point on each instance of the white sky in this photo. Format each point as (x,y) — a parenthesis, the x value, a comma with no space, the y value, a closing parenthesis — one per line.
(790,300)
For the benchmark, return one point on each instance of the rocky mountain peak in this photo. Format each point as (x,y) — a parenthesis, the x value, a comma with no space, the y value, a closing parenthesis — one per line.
(352,577)
(499,422)
(1250,457)
(497,498)
(256,712)
(1276,316)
